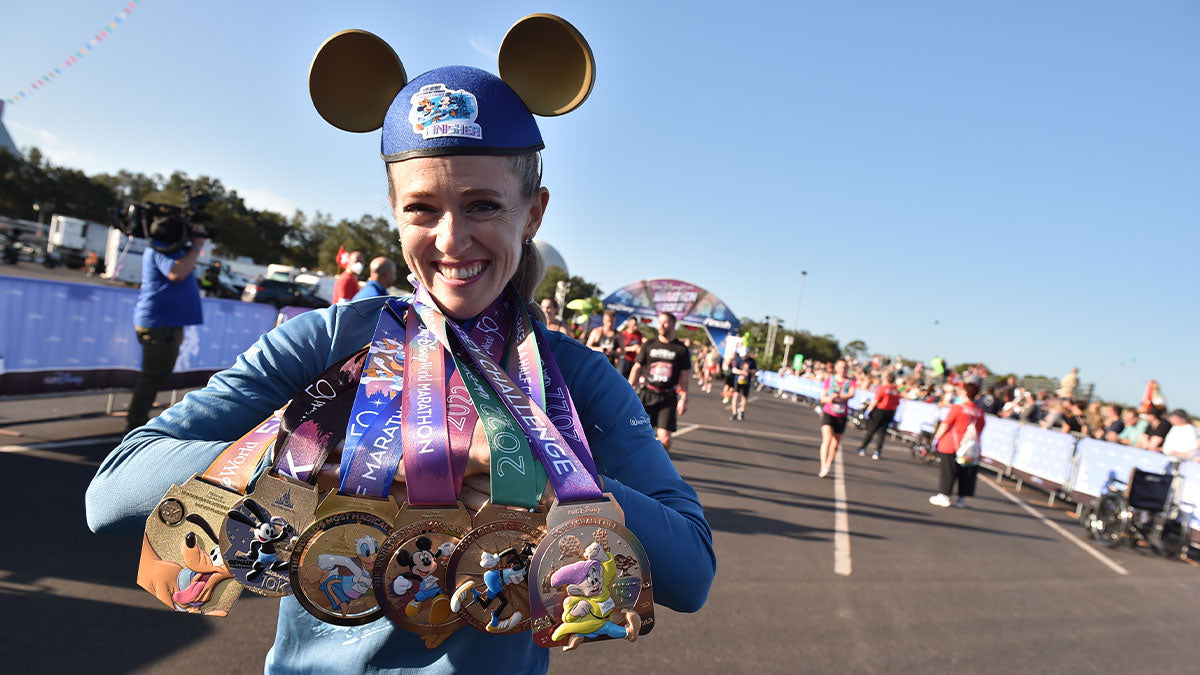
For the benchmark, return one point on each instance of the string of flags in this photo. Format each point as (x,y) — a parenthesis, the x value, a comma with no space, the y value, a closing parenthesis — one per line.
(44,80)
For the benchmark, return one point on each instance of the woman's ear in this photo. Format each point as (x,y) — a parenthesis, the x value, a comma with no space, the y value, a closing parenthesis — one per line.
(537,209)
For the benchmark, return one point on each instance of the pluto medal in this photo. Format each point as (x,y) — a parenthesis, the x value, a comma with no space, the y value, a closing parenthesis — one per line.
(181,562)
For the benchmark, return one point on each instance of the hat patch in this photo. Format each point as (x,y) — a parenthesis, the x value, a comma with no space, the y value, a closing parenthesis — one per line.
(438,112)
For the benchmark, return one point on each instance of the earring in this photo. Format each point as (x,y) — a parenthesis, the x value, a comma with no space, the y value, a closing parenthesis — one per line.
(529,241)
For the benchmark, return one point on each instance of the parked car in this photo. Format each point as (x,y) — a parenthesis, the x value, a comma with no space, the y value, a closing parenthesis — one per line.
(282,294)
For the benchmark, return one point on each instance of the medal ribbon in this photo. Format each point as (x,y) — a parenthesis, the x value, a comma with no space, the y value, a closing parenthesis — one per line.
(568,474)
(235,465)
(426,440)
(300,454)
(372,450)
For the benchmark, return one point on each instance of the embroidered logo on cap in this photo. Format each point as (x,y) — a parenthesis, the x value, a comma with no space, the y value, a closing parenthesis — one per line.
(438,112)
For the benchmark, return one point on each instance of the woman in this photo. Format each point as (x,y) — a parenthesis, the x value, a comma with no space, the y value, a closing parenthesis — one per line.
(712,363)
(880,413)
(550,309)
(837,392)
(605,338)
(467,208)
(950,435)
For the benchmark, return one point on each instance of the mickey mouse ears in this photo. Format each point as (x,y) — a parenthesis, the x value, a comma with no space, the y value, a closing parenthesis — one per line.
(355,78)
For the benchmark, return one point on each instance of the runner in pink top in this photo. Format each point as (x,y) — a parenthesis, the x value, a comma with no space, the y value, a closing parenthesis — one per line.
(838,391)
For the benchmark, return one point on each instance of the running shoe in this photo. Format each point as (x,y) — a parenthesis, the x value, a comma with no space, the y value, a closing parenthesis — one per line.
(862,452)
(742,416)
(940,500)
(876,455)
(961,503)
(824,472)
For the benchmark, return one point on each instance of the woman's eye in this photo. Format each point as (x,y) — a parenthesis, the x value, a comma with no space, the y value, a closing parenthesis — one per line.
(418,208)
(483,207)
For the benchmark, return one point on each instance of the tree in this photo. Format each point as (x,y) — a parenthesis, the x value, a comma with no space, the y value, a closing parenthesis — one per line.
(855,349)
(578,287)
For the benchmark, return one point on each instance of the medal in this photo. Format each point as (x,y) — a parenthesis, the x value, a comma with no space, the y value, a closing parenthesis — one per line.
(410,581)
(181,562)
(490,567)
(591,577)
(260,530)
(332,562)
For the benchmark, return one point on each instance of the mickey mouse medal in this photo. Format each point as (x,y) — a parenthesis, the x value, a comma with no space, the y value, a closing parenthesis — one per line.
(332,561)
(260,530)
(181,562)
(410,579)
(591,577)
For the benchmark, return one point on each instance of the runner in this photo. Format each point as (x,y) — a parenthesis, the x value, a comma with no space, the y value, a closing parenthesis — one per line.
(880,412)
(663,360)
(633,345)
(550,308)
(838,390)
(712,361)
(605,338)
(743,370)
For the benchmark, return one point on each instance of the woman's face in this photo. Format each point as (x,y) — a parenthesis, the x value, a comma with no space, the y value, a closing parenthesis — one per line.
(462,224)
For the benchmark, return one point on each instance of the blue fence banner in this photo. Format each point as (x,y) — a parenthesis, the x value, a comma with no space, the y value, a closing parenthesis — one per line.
(916,417)
(998,442)
(1044,457)
(1097,463)
(861,399)
(63,337)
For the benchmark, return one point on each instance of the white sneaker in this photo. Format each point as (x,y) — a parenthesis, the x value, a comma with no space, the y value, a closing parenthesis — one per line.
(940,500)
(824,472)
(961,503)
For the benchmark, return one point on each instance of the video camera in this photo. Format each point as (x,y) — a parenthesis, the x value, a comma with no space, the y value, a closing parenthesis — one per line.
(166,228)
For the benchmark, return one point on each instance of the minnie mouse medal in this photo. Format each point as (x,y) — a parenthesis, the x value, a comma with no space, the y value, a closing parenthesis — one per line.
(489,566)
(181,562)
(260,530)
(332,561)
(591,577)
(438,426)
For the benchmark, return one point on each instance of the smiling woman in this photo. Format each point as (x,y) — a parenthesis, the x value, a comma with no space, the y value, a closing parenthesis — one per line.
(518,450)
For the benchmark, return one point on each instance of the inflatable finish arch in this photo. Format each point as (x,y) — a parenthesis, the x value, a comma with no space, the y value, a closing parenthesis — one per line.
(692,306)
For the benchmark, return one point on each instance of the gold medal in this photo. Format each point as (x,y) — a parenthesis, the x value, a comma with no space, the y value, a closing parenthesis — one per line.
(490,569)
(181,561)
(410,578)
(590,577)
(260,531)
(333,560)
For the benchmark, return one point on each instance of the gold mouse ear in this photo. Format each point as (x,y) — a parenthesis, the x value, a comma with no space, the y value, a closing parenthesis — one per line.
(548,63)
(353,79)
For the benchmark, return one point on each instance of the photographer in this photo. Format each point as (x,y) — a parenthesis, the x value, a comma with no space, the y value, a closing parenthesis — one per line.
(168,301)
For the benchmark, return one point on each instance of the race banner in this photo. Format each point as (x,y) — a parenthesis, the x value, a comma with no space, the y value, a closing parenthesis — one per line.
(692,306)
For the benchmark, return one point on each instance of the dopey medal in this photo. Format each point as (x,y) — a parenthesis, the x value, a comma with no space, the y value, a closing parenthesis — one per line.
(333,559)
(260,530)
(181,562)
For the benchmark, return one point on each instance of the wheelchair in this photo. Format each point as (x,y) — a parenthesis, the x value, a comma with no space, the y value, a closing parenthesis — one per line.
(1143,509)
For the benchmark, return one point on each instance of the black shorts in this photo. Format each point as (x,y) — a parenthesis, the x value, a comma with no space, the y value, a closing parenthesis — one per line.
(838,423)
(660,406)
(730,380)
(743,389)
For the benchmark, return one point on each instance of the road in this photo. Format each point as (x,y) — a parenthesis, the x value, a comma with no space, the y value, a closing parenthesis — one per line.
(856,573)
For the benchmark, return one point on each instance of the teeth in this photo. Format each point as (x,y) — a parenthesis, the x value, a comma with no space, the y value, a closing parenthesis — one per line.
(459,273)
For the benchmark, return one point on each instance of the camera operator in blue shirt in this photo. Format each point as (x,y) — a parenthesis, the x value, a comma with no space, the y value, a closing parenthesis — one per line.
(168,301)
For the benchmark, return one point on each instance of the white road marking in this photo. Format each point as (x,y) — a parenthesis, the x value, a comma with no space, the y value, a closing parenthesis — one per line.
(688,428)
(1057,528)
(841,520)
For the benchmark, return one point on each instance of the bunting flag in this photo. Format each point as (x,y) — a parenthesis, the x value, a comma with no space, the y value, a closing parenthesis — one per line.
(42,80)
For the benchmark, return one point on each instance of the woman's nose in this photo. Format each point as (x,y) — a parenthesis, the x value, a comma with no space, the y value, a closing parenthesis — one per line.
(452,234)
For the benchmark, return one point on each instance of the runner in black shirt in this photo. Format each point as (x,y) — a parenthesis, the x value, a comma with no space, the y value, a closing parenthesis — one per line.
(662,363)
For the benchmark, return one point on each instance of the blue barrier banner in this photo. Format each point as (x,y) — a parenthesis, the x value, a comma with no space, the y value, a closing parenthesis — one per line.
(1189,496)
(1044,457)
(998,442)
(860,399)
(1099,462)
(61,337)
(790,383)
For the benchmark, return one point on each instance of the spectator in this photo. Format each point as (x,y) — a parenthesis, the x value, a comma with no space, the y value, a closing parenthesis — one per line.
(553,320)
(1156,430)
(949,436)
(1093,421)
(1066,386)
(1113,426)
(1182,440)
(345,287)
(1072,419)
(383,275)
(988,401)
(1009,387)
(1135,426)
(1054,413)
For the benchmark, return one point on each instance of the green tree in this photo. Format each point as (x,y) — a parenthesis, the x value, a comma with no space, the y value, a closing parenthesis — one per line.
(578,287)
(855,349)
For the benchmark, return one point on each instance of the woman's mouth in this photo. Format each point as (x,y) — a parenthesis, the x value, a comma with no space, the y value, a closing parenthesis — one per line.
(461,272)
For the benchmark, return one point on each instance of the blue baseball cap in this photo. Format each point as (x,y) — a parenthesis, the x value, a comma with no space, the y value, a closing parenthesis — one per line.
(458,110)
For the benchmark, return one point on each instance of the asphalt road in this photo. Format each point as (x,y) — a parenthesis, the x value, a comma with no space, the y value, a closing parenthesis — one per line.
(878,581)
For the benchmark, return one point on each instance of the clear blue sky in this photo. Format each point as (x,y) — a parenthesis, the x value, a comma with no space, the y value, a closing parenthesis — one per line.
(1027,173)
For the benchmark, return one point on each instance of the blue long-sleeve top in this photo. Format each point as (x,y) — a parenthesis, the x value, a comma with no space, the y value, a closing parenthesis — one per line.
(660,508)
